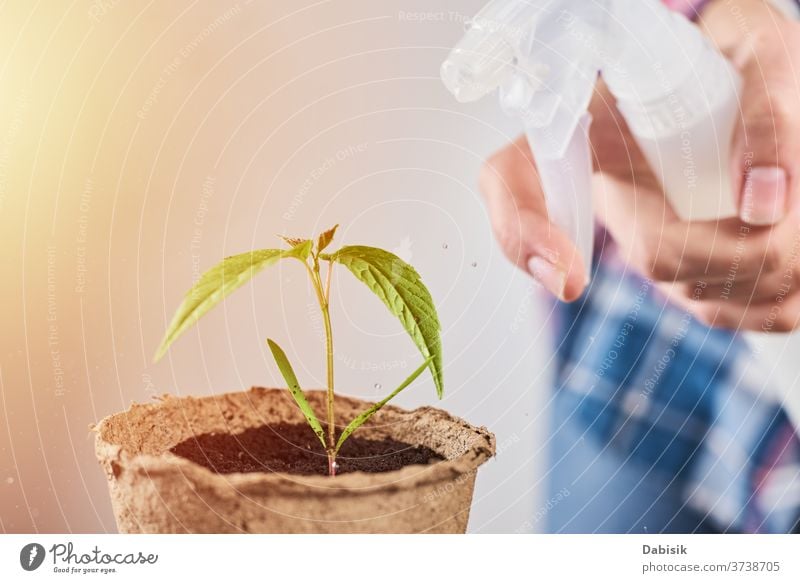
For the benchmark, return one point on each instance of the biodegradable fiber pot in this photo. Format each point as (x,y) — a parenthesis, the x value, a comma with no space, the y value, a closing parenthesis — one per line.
(153,490)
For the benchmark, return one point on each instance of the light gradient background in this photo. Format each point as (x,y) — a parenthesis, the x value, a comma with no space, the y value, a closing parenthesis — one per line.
(140,142)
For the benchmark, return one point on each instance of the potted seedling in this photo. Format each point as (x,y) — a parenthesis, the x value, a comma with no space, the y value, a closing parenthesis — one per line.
(277,460)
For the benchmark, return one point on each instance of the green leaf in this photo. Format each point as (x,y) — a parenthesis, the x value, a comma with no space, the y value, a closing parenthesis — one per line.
(400,288)
(294,387)
(301,247)
(326,238)
(361,419)
(219,281)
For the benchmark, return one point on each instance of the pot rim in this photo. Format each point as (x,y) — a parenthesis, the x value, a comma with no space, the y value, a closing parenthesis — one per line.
(481,449)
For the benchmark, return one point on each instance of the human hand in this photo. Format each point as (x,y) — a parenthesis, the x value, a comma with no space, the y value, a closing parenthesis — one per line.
(517,209)
(740,274)
(737,273)
(515,200)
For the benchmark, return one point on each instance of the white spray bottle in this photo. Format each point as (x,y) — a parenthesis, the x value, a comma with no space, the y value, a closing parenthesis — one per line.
(677,93)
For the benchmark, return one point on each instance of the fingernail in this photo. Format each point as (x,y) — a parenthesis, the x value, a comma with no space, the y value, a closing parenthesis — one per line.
(764,196)
(548,275)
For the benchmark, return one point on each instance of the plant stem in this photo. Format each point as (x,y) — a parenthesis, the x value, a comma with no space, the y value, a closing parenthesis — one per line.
(328,282)
(326,319)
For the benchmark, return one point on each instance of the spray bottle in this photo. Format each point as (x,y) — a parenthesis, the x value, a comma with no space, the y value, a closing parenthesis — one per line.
(677,93)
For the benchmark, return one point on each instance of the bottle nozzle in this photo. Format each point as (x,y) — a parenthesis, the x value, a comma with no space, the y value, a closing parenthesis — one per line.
(486,57)
(477,67)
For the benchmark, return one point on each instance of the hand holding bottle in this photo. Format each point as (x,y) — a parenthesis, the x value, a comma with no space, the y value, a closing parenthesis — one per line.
(748,266)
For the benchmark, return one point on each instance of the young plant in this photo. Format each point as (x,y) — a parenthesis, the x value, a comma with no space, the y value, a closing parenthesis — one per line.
(394,281)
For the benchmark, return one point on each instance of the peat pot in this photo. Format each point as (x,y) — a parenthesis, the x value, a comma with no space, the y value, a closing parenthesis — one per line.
(247,462)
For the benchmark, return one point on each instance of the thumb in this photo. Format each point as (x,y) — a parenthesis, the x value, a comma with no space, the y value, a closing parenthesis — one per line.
(767,143)
(518,213)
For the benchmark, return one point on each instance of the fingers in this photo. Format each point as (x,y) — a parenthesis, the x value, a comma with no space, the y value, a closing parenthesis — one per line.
(717,252)
(765,301)
(778,250)
(766,146)
(665,249)
(781,315)
(762,289)
(518,214)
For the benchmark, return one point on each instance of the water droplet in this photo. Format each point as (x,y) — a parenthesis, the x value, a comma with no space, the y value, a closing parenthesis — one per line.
(378,386)
(9,480)
(335,466)
(474,264)
(645,529)
(445,246)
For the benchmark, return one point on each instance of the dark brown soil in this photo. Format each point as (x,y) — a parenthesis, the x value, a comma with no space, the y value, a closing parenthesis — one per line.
(294,449)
